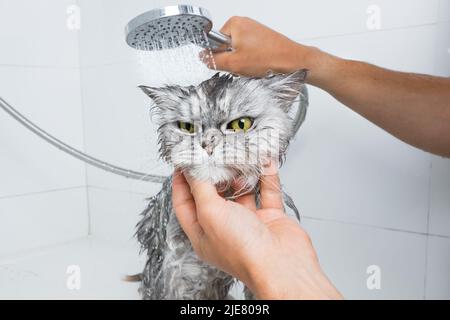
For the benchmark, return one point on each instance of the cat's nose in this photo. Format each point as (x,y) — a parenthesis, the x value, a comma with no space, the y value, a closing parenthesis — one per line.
(211,138)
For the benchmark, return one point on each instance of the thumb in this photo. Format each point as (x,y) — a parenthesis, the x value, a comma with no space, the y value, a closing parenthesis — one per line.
(210,205)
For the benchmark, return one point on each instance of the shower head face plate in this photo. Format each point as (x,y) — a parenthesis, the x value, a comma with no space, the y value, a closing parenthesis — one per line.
(169,27)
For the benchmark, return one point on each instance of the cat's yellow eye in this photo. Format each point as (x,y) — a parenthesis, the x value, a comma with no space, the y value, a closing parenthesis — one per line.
(241,124)
(186,127)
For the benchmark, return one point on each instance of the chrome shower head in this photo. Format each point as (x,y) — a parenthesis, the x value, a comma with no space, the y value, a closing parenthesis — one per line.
(174,26)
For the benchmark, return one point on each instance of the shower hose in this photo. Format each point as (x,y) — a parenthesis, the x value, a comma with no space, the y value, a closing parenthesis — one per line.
(77,153)
(127,173)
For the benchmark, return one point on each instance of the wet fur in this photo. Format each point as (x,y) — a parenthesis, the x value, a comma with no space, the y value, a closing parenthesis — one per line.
(173,270)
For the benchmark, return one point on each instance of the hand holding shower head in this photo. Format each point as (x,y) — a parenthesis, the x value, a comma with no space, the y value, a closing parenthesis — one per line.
(174,26)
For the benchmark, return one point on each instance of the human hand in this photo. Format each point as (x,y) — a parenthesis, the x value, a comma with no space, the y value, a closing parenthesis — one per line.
(258,50)
(264,248)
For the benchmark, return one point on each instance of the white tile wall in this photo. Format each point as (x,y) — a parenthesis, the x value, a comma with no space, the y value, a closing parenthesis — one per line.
(51,98)
(443,49)
(352,170)
(385,47)
(103,21)
(438,268)
(116,213)
(346,169)
(102,266)
(444,10)
(367,198)
(354,183)
(36,33)
(439,222)
(42,191)
(118,125)
(323,18)
(346,251)
(42,219)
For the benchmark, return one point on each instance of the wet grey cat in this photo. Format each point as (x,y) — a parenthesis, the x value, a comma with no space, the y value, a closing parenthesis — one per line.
(226,128)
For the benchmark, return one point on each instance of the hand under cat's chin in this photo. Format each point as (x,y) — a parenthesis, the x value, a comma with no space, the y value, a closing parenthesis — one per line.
(223,177)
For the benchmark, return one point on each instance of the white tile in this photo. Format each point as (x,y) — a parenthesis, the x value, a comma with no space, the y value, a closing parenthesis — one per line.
(342,167)
(50,98)
(114,214)
(443,49)
(444,10)
(42,219)
(307,19)
(36,33)
(411,49)
(440,197)
(346,251)
(102,37)
(118,126)
(438,268)
(43,274)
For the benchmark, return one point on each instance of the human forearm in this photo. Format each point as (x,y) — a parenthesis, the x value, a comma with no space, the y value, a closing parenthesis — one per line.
(414,108)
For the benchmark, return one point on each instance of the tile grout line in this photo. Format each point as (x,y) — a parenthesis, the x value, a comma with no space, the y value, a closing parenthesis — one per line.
(304,216)
(83,125)
(376,227)
(428,229)
(15,256)
(2,65)
(40,192)
(339,35)
(122,190)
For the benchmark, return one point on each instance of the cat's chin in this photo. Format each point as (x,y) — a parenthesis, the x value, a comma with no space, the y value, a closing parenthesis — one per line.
(221,176)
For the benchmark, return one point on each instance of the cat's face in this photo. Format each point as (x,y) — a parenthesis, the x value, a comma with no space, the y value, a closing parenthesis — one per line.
(227,127)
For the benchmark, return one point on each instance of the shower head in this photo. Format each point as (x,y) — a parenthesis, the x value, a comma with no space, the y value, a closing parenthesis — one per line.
(174,26)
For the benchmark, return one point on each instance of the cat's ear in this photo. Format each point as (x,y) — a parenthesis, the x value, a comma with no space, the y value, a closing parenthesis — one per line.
(287,87)
(154,93)
(167,96)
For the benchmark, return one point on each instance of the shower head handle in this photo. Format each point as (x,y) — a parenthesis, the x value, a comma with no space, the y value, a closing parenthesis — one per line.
(219,40)
(176,25)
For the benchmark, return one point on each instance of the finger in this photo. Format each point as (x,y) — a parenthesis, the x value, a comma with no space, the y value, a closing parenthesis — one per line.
(181,195)
(248,199)
(184,207)
(208,203)
(226,28)
(271,197)
(221,60)
(206,56)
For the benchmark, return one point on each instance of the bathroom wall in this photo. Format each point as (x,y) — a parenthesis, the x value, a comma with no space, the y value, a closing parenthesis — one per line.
(366,198)
(42,191)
